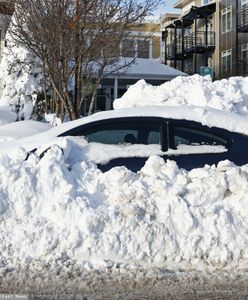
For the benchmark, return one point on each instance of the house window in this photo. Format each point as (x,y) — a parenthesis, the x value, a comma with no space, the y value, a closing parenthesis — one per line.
(244,12)
(128,48)
(226,58)
(244,4)
(226,19)
(143,48)
(136,48)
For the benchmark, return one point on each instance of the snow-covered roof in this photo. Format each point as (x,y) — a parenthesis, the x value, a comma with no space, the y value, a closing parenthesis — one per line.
(149,69)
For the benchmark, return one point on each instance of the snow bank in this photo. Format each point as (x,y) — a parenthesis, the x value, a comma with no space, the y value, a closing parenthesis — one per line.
(6,116)
(227,94)
(163,216)
(17,130)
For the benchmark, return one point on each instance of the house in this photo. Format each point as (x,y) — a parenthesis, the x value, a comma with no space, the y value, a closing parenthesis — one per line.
(144,44)
(207,33)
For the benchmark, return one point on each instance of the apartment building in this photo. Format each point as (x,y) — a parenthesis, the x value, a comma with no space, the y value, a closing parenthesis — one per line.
(207,34)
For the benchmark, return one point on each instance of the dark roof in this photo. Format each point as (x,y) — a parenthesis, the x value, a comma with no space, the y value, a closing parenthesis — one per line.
(194,13)
(6,8)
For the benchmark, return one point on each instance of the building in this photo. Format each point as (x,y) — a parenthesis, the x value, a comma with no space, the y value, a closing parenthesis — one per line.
(207,34)
(144,44)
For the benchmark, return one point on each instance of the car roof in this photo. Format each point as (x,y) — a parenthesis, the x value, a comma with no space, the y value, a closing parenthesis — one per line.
(204,115)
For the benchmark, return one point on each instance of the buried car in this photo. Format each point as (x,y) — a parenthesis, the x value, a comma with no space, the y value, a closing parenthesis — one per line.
(191,136)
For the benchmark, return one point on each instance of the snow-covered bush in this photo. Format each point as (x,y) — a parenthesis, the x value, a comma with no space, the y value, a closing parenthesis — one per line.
(20,80)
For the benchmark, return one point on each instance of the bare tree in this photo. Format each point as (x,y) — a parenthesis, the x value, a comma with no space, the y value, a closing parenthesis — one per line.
(77,41)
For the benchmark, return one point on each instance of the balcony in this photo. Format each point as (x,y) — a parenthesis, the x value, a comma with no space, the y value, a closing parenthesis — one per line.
(199,42)
(174,51)
(193,43)
(243,20)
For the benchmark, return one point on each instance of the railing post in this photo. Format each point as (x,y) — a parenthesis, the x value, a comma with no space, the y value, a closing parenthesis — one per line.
(182,27)
(195,40)
(237,37)
(175,46)
(206,41)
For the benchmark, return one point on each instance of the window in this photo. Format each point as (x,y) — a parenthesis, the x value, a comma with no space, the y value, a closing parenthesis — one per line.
(136,48)
(143,48)
(196,137)
(226,19)
(244,4)
(124,133)
(244,49)
(128,48)
(226,59)
(244,12)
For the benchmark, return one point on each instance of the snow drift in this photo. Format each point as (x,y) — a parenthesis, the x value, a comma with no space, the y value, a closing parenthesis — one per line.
(163,216)
(55,210)
(227,94)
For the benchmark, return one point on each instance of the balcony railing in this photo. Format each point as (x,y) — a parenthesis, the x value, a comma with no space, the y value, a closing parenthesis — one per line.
(196,41)
(173,50)
(243,19)
(200,40)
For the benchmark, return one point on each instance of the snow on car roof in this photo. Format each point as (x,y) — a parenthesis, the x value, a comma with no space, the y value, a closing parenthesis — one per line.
(206,116)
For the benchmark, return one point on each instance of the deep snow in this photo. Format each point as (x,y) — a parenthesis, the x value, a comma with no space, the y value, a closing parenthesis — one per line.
(227,94)
(163,216)
(58,209)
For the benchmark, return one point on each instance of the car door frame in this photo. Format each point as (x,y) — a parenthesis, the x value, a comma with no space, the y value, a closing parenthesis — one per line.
(77,131)
(222,133)
(202,158)
(163,124)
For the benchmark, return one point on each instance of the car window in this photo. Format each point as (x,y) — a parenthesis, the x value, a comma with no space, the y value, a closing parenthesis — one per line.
(183,135)
(124,133)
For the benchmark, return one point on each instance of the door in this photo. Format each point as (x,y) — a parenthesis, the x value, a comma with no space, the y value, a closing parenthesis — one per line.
(192,145)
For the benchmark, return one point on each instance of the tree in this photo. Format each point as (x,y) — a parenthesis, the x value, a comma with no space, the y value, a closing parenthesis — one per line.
(77,42)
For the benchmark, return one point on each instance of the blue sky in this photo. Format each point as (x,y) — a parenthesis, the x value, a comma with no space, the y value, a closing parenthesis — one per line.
(167,7)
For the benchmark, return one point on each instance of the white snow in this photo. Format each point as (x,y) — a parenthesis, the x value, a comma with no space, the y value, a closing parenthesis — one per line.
(6,116)
(20,79)
(63,208)
(229,95)
(147,69)
(17,130)
(207,116)
(77,149)
(163,216)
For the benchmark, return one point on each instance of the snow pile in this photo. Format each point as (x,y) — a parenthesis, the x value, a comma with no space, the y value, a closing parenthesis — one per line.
(227,94)
(163,216)
(78,149)
(20,80)
(17,130)
(6,116)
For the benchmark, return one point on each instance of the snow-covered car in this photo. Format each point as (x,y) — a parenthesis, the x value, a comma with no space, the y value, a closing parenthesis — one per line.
(192,136)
